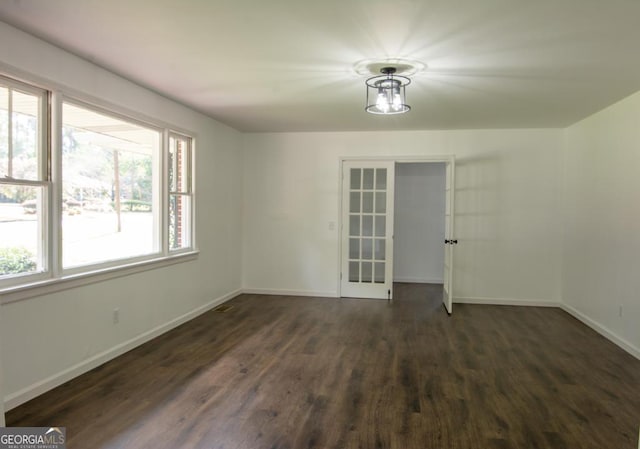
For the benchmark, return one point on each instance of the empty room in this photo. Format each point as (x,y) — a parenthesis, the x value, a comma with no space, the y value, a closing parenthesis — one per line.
(286,224)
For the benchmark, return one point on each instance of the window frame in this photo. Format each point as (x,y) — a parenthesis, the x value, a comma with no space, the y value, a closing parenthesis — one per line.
(158,226)
(56,277)
(187,192)
(43,253)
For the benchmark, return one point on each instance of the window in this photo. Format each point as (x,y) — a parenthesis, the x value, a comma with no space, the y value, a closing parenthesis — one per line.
(110,191)
(179,192)
(24,186)
(116,190)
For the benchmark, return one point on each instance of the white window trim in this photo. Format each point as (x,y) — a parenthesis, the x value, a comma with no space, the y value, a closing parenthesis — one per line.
(44,180)
(56,278)
(53,285)
(190,184)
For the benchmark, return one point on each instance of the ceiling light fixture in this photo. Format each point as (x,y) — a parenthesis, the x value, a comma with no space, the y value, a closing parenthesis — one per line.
(386,93)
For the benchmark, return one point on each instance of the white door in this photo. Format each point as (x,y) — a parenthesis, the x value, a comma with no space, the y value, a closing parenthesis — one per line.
(449,239)
(367,229)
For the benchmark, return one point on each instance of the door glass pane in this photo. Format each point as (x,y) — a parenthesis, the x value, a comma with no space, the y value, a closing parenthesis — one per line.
(367,179)
(367,225)
(367,268)
(367,248)
(354,271)
(381,179)
(379,249)
(354,224)
(354,202)
(355,178)
(381,202)
(379,272)
(354,248)
(381,224)
(367,202)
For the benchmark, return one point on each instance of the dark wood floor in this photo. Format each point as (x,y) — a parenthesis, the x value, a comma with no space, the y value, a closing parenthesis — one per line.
(290,372)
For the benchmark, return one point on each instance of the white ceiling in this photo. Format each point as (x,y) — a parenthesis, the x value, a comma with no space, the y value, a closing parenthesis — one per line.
(287,65)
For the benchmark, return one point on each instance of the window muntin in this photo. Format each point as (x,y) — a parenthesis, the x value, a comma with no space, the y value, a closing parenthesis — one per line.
(110,187)
(180,192)
(24,186)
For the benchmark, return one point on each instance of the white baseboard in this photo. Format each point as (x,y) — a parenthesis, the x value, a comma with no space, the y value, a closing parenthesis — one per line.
(284,292)
(602,330)
(15,399)
(418,280)
(508,302)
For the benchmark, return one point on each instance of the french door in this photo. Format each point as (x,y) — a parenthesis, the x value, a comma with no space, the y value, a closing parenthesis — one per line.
(449,240)
(367,229)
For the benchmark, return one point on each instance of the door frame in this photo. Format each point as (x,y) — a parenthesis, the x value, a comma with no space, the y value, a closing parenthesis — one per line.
(406,159)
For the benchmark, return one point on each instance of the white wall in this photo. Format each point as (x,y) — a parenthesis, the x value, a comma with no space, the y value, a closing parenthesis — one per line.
(601,265)
(418,244)
(48,339)
(507,209)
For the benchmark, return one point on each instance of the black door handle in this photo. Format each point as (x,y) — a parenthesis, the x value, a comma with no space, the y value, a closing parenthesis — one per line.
(451,242)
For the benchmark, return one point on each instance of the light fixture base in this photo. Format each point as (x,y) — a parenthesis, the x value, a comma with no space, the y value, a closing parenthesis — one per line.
(405,67)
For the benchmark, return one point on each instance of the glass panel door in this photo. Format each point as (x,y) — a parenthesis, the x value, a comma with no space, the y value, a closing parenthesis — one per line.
(449,238)
(367,229)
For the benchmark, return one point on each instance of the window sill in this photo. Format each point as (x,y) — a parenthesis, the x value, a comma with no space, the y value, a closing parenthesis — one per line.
(48,286)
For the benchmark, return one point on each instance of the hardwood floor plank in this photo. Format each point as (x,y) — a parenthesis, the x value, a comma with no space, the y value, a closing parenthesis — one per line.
(279,372)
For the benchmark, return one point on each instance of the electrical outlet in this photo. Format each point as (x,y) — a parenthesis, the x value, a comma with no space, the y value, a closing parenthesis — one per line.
(116,315)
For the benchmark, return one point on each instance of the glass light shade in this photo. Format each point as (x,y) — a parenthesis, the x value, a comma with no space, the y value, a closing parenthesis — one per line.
(386,94)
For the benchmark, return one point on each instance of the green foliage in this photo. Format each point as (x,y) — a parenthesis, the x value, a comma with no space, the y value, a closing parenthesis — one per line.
(136,176)
(17,193)
(135,205)
(16,260)
(89,166)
